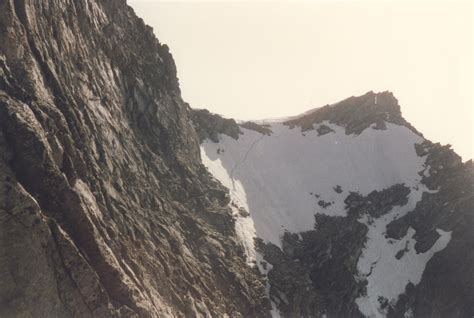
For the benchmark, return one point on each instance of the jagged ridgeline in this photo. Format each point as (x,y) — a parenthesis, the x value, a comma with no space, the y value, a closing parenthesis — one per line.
(118,200)
(355,214)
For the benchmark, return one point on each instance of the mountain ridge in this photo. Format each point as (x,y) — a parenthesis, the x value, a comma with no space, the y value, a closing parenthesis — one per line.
(354,113)
(380,218)
(119,200)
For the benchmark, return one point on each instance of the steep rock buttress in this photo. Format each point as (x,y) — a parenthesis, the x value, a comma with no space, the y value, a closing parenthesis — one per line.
(105,208)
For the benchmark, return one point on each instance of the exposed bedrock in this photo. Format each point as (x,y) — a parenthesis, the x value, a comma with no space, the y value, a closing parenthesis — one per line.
(105,208)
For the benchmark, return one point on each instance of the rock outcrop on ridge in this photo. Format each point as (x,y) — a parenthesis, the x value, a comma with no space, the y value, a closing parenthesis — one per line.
(356,114)
(105,208)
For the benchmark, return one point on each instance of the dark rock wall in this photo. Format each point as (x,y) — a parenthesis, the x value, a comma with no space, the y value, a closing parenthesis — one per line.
(313,274)
(105,209)
(447,285)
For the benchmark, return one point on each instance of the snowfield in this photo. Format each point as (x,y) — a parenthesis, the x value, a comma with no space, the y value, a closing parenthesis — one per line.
(284,179)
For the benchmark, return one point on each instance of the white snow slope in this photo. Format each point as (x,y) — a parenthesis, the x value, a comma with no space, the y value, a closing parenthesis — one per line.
(279,180)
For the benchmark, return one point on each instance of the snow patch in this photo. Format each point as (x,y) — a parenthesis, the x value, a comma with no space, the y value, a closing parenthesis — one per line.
(273,176)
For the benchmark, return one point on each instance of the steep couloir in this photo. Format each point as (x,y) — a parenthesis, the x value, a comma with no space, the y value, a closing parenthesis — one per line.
(105,207)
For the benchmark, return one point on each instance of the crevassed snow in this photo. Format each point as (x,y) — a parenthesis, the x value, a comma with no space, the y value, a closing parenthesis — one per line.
(280,178)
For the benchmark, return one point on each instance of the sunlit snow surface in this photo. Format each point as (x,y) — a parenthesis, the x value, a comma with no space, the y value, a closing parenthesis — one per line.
(279,180)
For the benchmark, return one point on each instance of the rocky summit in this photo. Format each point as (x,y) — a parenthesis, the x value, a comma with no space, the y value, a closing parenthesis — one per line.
(119,200)
(349,211)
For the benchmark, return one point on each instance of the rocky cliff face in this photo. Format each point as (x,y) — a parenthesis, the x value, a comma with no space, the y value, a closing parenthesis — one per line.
(107,211)
(353,212)
(105,208)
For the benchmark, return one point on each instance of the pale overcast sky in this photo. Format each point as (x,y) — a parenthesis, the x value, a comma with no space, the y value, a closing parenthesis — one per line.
(254,60)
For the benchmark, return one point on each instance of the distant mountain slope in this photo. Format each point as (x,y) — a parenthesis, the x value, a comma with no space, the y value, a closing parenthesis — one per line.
(348,217)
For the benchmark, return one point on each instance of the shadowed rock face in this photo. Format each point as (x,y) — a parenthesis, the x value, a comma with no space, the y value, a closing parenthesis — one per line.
(447,286)
(105,208)
(313,274)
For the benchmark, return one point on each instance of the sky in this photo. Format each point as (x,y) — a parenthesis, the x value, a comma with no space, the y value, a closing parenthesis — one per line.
(266,59)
